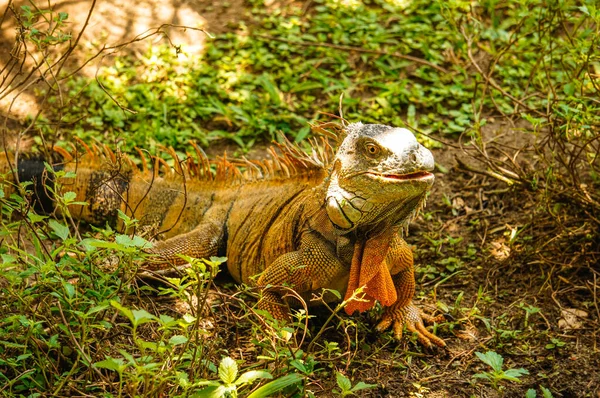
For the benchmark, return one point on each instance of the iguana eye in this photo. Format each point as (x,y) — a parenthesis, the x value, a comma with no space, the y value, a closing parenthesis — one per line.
(372,150)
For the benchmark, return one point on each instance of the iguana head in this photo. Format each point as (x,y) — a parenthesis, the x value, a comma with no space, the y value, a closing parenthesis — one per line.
(380,175)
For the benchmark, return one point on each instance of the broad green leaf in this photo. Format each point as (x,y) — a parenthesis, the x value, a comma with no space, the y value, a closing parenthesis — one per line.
(33,217)
(69,289)
(486,376)
(88,244)
(60,230)
(250,376)
(569,89)
(514,374)
(343,382)
(183,379)
(178,340)
(97,308)
(276,385)
(530,393)
(135,241)
(335,293)
(211,392)
(116,364)
(142,316)
(362,386)
(228,370)
(8,259)
(189,319)
(491,358)
(123,310)
(166,320)
(69,196)
(298,365)
(546,392)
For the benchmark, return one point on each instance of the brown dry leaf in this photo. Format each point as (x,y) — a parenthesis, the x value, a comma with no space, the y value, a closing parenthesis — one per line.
(571,318)
(500,250)
(469,334)
(458,203)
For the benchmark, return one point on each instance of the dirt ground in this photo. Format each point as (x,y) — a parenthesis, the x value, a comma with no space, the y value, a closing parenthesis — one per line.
(186,23)
(499,282)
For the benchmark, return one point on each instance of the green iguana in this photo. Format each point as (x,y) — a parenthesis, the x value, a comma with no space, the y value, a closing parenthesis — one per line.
(309,221)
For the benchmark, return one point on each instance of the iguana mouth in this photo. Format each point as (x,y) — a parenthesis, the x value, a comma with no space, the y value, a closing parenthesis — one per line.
(418,175)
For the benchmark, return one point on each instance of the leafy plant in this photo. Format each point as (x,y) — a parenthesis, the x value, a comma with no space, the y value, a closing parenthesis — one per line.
(555,343)
(546,393)
(346,387)
(229,382)
(496,361)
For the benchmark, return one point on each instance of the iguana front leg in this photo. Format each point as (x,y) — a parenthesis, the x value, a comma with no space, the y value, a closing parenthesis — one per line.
(313,266)
(403,312)
(202,242)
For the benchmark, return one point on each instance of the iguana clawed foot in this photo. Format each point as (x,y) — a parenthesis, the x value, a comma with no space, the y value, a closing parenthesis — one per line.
(411,317)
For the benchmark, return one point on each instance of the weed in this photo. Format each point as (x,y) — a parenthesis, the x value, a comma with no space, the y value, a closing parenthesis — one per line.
(230,383)
(346,387)
(546,393)
(495,361)
(555,343)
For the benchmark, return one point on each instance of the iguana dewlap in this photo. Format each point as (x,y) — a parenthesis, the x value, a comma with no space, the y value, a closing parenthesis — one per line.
(324,220)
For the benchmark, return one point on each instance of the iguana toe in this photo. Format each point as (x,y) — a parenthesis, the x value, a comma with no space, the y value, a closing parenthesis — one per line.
(411,317)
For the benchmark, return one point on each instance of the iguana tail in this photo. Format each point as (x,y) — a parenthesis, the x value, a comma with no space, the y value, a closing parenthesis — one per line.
(33,169)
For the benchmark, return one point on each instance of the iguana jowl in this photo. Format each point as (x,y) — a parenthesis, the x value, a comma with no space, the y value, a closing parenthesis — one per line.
(314,221)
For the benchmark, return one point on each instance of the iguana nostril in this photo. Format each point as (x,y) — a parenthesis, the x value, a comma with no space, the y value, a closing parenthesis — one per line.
(413,158)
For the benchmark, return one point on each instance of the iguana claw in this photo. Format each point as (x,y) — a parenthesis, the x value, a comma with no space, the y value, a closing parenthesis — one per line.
(411,317)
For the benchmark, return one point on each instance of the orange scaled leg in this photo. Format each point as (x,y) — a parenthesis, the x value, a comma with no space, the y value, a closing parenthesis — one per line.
(403,312)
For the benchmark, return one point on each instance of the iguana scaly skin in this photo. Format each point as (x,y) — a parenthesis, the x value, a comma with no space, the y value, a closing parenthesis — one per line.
(325,220)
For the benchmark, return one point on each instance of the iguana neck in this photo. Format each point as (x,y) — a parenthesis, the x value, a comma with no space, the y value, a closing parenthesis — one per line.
(354,210)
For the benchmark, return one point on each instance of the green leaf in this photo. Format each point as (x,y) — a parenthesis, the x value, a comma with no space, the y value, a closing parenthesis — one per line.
(60,230)
(298,365)
(69,196)
(492,359)
(276,385)
(530,393)
(250,376)
(308,85)
(546,392)
(514,374)
(35,217)
(135,241)
(343,382)
(97,308)
(123,310)
(362,386)
(484,375)
(569,89)
(142,316)
(228,370)
(8,259)
(69,289)
(269,85)
(116,364)
(335,293)
(178,340)
(211,392)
